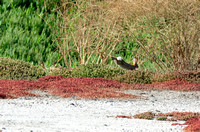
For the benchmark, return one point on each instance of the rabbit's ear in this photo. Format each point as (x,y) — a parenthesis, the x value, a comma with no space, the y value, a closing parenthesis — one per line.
(135,61)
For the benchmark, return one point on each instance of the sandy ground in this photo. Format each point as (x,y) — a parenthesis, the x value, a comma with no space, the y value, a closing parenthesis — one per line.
(55,114)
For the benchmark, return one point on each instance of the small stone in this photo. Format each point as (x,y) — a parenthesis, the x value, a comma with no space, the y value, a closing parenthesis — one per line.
(72,104)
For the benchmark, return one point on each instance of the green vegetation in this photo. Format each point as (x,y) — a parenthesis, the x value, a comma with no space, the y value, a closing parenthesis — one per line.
(19,70)
(138,76)
(163,39)
(24,34)
(145,115)
(172,116)
(161,118)
(82,35)
(96,70)
(89,70)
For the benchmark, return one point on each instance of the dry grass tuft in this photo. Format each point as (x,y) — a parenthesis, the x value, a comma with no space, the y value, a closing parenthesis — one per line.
(166,33)
(163,34)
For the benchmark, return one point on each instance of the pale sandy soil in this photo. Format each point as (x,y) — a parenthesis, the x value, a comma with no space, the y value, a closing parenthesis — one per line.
(55,114)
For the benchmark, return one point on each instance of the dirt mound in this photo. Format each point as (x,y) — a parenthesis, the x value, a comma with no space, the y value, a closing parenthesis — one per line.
(83,87)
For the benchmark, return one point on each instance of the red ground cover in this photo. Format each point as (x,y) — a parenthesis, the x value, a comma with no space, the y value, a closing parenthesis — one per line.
(180,115)
(82,87)
(192,119)
(79,87)
(193,125)
(123,116)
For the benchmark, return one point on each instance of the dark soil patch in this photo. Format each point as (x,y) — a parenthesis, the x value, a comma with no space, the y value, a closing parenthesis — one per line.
(83,87)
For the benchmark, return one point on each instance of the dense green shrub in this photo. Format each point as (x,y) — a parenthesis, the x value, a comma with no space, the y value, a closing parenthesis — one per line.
(19,70)
(131,77)
(96,70)
(58,71)
(161,77)
(24,34)
(89,70)
(191,76)
(138,76)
